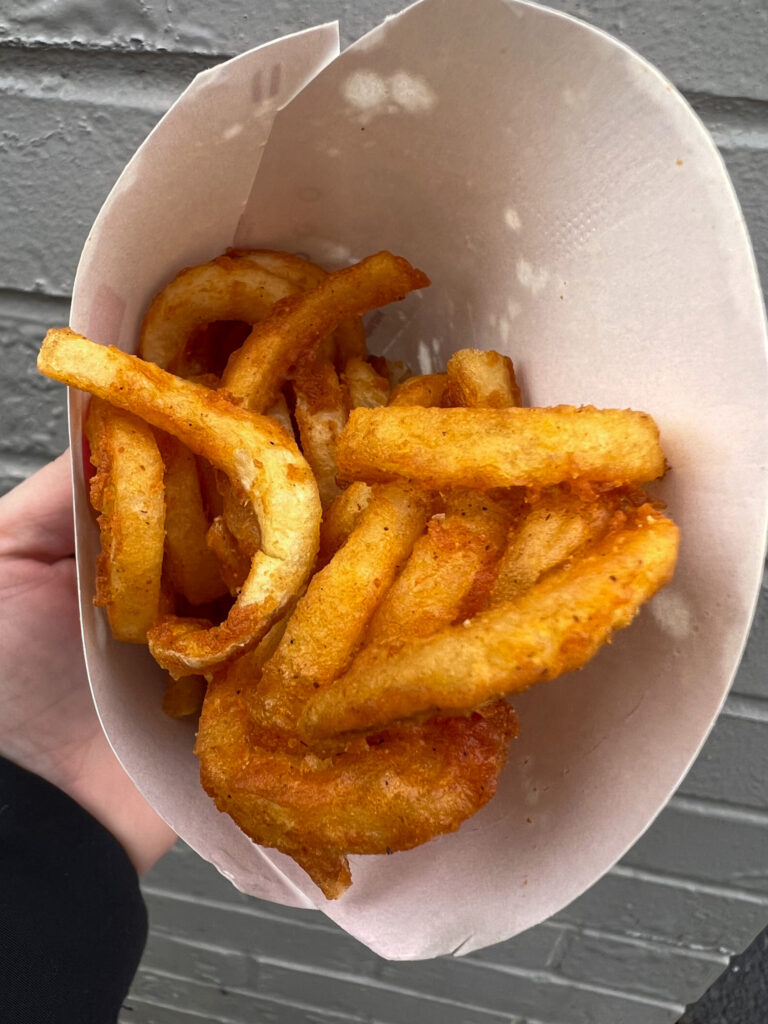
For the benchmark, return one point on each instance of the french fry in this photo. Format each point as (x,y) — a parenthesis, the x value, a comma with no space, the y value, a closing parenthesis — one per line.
(546,534)
(486,448)
(252,450)
(127,490)
(364,385)
(321,412)
(341,518)
(327,626)
(192,568)
(255,372)
(482,380)
(231,287)
(554,627)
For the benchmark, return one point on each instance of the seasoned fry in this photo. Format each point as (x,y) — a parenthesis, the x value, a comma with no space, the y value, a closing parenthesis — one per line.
(252,450)
(419,782)
(231,287)
(184,696)
(365,386)
(448,574)
(554,627)
(318,641)
(354,695)
(255,372)
(127,490)
(192,567)
(548,532)
(485,448)
(233,565)
(427,390)
(483,380)
(340,519)
(415,783)
(321,412)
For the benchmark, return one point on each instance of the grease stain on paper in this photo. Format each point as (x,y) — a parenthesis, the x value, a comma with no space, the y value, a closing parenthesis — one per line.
(369,94)
(673,614)
(512,219)
(533,279)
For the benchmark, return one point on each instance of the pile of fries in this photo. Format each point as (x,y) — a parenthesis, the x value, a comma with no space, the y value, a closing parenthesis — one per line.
(346,567)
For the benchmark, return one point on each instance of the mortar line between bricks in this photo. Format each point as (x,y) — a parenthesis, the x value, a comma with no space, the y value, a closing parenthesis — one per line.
(185,1012)
(647,943)
(541,977)
(673,881)
(351,979)
(21,299)
(747,707)
(720,809)
(338,1015)
(22,466)
(39,46)
(238,908)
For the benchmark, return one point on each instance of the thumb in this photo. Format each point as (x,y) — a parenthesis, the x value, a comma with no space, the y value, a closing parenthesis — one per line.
(36,518)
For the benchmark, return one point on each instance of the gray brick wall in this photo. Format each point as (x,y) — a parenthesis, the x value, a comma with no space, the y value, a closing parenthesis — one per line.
(80,86)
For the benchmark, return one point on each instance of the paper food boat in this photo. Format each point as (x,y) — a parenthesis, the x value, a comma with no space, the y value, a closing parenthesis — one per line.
(571,211)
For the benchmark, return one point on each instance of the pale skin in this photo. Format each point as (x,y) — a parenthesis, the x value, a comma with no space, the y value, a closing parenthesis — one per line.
(48,724)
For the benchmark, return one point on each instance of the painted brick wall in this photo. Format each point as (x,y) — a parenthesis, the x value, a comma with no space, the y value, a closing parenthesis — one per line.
(80,86)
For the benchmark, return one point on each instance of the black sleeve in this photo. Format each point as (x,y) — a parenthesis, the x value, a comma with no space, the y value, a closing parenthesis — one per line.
(72,921)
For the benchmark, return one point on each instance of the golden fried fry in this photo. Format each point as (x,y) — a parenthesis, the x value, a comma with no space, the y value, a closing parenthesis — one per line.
(184,696)
(414,783)
(485,448)
(554,627)
(127,490)
(550,530)
(327,625)
(233,565)
(449,573)
(252,450)
(340,519)
(428,390)
(483,380)
(192,568)
(365,386)
(256,371)
(321,412)
(231,287)
(411,784)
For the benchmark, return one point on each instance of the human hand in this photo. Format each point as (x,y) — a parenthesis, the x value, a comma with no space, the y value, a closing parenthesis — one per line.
(48,723)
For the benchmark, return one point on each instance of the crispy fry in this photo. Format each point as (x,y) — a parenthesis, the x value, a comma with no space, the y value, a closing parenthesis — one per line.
(127,490)
(554,627)
(483,380)
(428,390)
(349,337)
(416,783)
(365,386)
(548,532)
(484,448)
(319,641)
(256,371)
(192,568)
(321,412)
(252,450)
(231,287)
(448,574)
(413,784)
(184,696)
(340,519)
(233,565)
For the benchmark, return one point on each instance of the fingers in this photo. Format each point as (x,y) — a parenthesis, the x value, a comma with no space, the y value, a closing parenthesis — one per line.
(36,519)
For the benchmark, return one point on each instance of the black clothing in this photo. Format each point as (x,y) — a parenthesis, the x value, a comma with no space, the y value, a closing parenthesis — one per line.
(72,920)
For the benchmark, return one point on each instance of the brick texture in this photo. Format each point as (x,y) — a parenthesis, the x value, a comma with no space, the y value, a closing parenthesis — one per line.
(81,85)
